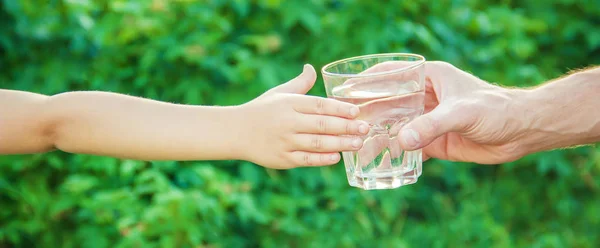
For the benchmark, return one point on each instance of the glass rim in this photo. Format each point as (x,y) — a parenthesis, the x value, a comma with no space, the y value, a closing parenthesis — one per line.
(420,60)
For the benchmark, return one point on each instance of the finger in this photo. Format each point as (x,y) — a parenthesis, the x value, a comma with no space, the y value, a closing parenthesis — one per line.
(390,66)
(372,148)
(299,85)
(301,158)
(325,106)
(319,124)
(326,143)
(388,71)
(395,105)
(426,128)
(395,149)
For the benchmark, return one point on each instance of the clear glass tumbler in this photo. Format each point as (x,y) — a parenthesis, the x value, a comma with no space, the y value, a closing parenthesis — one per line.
(389,90)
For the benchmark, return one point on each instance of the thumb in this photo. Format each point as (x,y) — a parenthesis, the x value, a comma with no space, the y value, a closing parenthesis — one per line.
(299,85)
(426,128)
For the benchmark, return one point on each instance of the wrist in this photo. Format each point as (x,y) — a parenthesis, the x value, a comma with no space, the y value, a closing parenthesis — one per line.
(524,112)
(221,133)
(238,135)
(510,117)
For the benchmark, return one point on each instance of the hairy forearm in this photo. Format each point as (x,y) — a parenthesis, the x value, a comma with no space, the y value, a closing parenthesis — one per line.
(129,127)
(562,113)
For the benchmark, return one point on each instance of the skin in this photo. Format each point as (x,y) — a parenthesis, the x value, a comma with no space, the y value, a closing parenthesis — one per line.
(282,129)
(468,119)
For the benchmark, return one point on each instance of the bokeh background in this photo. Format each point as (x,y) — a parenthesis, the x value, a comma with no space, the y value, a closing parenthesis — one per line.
(214,52)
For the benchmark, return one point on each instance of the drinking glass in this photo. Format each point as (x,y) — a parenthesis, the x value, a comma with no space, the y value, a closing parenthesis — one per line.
(389,90)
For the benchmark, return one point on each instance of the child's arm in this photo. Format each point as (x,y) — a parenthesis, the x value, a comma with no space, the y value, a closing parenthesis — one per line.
(280,129)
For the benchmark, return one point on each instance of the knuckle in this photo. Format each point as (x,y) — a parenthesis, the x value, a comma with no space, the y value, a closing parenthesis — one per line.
(317,142)
(440,64)
(341,109)
(431,126)
(323,158)
(293,159)
(322,125)
(347,143)
(291,142)
(320,102)
(469,111)
(286,139)
(306,159)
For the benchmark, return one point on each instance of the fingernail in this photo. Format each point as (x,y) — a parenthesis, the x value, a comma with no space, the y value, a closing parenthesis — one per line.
(356,143)
(362,128)
(410,137)
(333,157)
(354,111)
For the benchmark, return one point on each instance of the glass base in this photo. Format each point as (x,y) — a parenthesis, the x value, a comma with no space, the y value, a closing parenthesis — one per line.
(406,173)
(370,183)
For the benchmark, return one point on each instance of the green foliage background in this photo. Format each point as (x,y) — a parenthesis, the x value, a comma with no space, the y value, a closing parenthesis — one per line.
(227,52)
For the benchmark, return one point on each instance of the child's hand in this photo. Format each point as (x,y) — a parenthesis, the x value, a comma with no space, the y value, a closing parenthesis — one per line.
(283,128)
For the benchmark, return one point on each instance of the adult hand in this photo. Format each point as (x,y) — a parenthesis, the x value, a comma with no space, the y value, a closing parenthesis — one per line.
(465,119)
